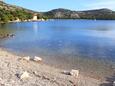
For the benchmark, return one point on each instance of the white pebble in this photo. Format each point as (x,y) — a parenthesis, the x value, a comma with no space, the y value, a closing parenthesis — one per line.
(24,75)
(37,59)
(26,58)
(74,73)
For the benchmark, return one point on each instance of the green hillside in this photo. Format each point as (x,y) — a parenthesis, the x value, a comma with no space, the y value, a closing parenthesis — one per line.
(10,13)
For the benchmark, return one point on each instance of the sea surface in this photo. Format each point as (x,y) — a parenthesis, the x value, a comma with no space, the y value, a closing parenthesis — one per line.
(87,45)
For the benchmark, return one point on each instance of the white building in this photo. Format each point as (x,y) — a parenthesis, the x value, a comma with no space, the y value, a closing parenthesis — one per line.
(35,18)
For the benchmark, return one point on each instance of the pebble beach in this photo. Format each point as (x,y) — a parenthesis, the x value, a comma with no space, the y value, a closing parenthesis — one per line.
(37,73)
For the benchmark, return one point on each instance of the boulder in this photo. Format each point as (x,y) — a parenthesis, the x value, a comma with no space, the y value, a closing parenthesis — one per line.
(24,75)
(37,59)
(114,83)
(26,58)
(74,73)
(10,35)
(66,72)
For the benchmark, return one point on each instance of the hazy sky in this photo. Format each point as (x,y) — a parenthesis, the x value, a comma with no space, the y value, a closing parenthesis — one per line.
(46,5)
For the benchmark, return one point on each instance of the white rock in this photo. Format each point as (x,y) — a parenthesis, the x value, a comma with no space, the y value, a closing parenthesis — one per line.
(37,59)
(74,73)
(66,72)
(26,58)
(114,83)
(25,75)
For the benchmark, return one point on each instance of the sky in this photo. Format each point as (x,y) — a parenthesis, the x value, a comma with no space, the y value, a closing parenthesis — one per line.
(78,5)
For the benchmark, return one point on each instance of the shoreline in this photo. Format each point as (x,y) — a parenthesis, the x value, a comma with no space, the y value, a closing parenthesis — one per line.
(11,65)
(39,20)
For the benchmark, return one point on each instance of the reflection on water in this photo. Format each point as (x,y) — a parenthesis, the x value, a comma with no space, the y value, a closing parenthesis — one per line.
(67,44)
(35,28)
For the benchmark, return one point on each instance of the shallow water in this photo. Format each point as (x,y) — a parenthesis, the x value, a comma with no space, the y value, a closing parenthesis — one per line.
(78,44)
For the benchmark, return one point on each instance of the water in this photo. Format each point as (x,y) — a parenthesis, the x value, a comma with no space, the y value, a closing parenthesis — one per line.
(83,44)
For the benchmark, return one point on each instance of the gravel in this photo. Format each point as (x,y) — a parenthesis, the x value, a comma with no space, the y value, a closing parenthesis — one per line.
(40,74)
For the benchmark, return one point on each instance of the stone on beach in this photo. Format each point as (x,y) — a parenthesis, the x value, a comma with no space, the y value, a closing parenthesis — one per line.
(114,83)
(66,72)
(6,35)
(37,59)
(26,58)
(74,73)
(25,75)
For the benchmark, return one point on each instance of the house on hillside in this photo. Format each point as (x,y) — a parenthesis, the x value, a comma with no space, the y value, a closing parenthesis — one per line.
(35,17)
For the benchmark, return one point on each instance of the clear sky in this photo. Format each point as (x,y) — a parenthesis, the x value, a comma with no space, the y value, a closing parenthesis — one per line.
(46,5)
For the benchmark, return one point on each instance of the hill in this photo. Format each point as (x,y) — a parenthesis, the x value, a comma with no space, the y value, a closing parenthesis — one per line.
(106,14)
(89,14)
(11,13)
(61,13)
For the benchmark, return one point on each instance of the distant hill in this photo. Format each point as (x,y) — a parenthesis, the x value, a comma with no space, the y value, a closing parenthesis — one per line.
(61,13)
(89,14)
(12,12)
(98,14)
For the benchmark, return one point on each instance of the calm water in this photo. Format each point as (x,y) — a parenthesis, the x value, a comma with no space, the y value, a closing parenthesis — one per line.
(64,43)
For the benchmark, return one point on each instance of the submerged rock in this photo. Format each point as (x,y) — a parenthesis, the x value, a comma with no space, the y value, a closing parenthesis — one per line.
(6,35)
(11,35)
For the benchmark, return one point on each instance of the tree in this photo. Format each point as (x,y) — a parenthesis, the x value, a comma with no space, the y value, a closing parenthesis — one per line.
(4,18)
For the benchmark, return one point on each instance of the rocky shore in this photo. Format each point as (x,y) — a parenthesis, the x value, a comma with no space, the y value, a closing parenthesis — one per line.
(15,71)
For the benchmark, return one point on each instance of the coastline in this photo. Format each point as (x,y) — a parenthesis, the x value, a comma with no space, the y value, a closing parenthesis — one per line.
(38,20)
(45,75)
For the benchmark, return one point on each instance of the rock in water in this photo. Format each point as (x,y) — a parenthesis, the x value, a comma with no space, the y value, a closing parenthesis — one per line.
(74,73)
(37,59)
(24,75)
